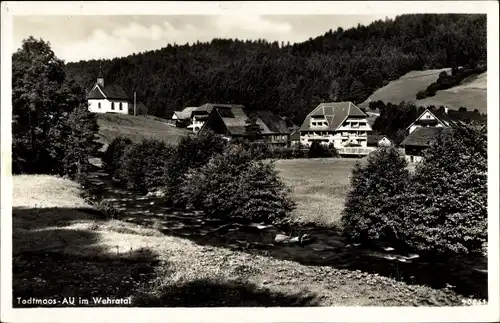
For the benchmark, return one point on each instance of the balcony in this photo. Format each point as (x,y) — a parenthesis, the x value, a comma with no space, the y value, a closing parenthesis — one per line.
(355,150)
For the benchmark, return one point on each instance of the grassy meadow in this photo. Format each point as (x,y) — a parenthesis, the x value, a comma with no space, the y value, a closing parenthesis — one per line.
(471,93)
(137,128)
(319,187)
(406,87)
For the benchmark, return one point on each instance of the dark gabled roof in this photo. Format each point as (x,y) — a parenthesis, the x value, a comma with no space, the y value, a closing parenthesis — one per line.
(208,107)
(335,113)
(235,117)
(453,118)
(110,92)
(423,136)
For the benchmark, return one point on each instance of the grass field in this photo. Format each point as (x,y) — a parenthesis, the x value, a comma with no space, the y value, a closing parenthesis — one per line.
(406,87)
(136,128)
(63,247)
(470,94)
(319,187)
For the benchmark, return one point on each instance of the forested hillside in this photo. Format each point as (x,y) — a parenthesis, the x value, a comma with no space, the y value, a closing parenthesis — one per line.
(291,79)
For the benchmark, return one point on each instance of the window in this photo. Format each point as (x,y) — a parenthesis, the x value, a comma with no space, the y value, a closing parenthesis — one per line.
(99,105)
(314,123)
(112,105)
(121,106)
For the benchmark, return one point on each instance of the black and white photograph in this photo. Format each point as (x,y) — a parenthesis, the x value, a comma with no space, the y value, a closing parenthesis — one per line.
(250,156)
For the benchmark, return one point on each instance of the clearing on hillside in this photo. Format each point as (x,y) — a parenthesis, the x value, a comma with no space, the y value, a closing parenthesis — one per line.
(137,128)
(406,87)
(471,93)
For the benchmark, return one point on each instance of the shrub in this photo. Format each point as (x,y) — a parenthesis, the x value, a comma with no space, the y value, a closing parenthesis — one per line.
(234,186)
(190,152)
(114,152)
(447,211)
(421,95)
(318,150)
(108,210)
(372,207)
(143,165)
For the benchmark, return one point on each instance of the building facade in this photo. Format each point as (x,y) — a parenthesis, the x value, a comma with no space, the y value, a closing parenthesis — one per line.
(107,98)
(340,124)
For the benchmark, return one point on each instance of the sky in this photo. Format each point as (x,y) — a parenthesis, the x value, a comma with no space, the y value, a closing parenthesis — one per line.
(83,37)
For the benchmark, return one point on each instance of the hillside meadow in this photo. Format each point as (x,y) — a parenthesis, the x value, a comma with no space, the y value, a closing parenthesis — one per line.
(137,128)
(406,87)
(471,93)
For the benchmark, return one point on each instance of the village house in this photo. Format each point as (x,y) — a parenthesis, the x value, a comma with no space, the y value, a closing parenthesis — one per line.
(200,115)
(419,140)
(341,124)
(230,121)
(433,119)
(107,98)
(182,119)
(429,124)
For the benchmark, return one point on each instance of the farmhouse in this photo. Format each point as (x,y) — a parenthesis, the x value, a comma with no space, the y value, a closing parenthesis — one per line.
(431,122)
(200,114)
(341,124)
(107,98)
(419,140)
(230,121)
(433,119)
(182,118)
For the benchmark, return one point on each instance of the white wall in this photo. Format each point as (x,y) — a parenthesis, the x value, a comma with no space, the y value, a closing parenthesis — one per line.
(337,138)
(413,159)
(106,106)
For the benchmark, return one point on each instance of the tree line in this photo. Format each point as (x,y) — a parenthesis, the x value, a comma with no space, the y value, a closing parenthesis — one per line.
(341,65)
(52,130)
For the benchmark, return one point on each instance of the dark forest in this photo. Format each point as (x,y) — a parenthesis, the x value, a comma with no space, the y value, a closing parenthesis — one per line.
(289,79)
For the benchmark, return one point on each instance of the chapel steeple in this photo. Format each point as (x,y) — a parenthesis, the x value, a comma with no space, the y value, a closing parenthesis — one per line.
(100,78)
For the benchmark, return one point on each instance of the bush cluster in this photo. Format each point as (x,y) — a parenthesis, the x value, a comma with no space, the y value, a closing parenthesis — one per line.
(371,209)
(261,150)
(442,207)
(142,165)
(204,173)
(318,150)
(113,154)
(191,152)
(234,186)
